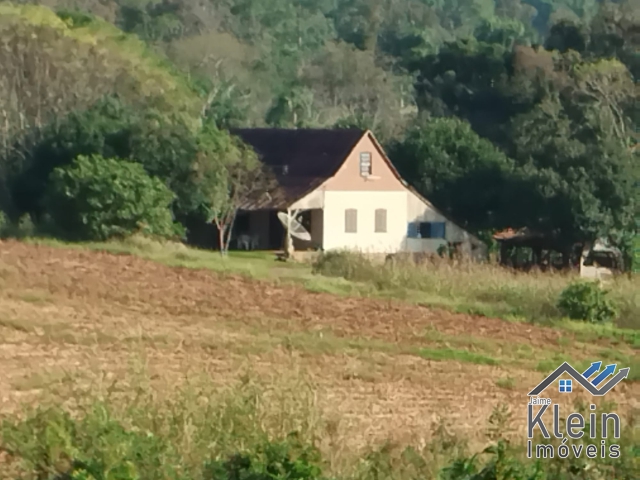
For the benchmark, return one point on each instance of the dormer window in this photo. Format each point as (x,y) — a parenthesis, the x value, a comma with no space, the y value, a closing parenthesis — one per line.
(365,164)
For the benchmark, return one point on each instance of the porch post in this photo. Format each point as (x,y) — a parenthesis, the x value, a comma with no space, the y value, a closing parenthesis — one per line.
(288,242)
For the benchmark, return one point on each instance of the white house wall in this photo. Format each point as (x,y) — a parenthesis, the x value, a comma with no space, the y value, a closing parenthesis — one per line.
(366,203)
(419,211)
(402,208)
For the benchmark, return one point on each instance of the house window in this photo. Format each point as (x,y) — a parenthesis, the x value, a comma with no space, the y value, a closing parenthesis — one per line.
(426,230)
(565,386)
(351,220)
(365,164)
(381,221)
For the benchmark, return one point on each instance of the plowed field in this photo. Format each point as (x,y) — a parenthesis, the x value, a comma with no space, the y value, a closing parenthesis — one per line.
(383,369)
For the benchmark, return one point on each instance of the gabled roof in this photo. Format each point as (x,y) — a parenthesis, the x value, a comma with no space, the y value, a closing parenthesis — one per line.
(311,157)
(301,159)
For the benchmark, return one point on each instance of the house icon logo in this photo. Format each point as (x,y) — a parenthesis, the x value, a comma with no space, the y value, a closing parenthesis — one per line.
(566,385)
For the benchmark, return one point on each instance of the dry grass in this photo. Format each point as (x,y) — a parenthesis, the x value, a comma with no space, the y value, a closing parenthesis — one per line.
(74,321)
(485,289)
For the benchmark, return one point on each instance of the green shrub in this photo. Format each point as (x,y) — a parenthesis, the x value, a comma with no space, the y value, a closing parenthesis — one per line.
(284,460)
(96,199)
(587,301)
(23,228)
(94,447)
(502,465)
(186,438)
(4,223)
(97,445)
(348,265)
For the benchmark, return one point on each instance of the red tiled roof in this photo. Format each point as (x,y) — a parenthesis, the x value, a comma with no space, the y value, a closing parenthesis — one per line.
(505,234)
(310,157)
(510,233)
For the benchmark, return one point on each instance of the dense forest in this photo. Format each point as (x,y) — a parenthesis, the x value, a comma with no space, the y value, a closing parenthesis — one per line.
(505,113)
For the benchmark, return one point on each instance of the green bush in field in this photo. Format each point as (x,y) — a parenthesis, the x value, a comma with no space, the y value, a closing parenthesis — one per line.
(348,265)
(5,224)
(24,227)
(98,198)
(284,460)
(587,301)
(148,443)
(501,466)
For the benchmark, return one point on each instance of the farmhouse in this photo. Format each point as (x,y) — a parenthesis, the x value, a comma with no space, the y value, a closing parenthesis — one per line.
(349,194)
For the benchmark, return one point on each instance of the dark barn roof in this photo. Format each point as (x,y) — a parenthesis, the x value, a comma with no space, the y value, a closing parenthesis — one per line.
(301,159)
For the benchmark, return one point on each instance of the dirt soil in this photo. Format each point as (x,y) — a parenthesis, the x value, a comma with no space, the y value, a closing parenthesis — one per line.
(70,317)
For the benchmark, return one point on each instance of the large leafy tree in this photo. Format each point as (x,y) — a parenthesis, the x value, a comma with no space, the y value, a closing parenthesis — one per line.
(40,85)
(96,198)
(565,115)
(582,177)
(167,149)
(101,129)
(470,79)
(464,175)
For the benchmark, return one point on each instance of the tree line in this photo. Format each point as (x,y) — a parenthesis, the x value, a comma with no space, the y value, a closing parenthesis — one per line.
(505,113)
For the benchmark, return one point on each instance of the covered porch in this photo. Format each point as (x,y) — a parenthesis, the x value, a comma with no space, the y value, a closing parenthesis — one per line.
(267,232)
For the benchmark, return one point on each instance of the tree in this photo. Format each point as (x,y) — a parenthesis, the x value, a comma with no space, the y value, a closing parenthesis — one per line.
(358,22)
(169,150)
(223,66)
(97,199)
(463,174)
(37,46)
(165,147)
(232,176)
(293,108)
(40,86)
(470,79)
(346,82)
(606,87)
(614,34)
(100,129)
(582,178)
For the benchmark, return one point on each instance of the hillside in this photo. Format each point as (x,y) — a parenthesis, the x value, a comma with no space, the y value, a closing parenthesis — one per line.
(76,322)
(115,140)
(504,114)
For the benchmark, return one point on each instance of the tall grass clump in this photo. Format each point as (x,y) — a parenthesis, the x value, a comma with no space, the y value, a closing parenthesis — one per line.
(244,434)
(471,287)
(198,433)
(347,265)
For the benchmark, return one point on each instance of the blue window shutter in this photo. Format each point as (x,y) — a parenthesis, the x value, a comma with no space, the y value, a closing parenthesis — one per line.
(412,230)
(438,230)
